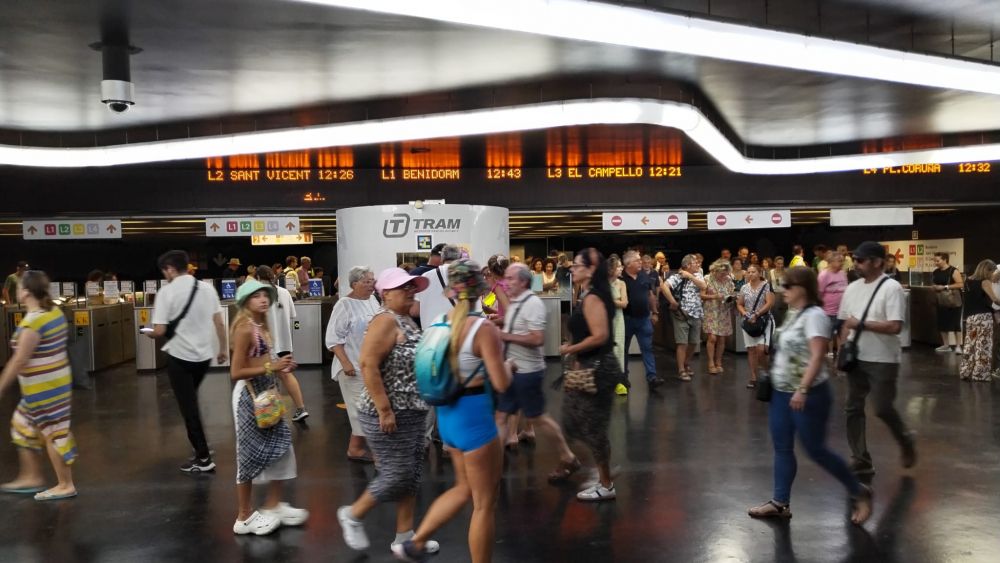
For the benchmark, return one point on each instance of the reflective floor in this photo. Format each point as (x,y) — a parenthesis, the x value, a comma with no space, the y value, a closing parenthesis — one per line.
(691,459)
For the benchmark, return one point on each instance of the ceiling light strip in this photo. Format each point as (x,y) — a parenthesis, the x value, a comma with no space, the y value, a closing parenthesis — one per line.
(600,22)
(481,122)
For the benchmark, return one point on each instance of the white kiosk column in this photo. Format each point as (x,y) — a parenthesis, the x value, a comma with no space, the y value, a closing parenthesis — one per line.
(372,236)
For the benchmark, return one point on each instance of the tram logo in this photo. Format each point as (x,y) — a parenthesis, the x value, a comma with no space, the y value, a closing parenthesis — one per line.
(399,225)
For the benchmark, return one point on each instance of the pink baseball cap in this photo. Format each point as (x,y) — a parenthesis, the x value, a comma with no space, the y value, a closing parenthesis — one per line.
(391,278)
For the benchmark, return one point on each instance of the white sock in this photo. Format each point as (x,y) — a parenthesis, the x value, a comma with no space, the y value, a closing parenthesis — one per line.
(403,536)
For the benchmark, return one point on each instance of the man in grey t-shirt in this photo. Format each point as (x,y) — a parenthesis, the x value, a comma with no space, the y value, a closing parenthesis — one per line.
(523,336)
(878,354)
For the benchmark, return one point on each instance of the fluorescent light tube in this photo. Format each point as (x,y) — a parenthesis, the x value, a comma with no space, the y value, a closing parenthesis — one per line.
(599,22)
(482,122)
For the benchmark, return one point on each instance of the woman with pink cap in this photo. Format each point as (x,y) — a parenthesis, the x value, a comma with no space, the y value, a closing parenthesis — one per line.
(391,412)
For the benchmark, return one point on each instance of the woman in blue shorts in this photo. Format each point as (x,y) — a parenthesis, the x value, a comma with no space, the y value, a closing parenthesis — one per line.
(467,426)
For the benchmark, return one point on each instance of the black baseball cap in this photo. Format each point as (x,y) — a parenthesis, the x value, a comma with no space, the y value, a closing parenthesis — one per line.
(869,249)
(436,251)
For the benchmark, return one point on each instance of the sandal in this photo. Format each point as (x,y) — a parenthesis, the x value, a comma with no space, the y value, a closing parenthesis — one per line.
(526,437)
(565,470)
(862,505)
(752,384)
(770,509)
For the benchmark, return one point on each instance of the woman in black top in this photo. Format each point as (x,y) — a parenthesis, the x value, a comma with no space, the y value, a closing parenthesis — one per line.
(979,299)
(586,416)
(949,318)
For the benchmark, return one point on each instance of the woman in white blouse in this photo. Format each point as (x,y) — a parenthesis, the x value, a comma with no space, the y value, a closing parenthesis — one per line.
(344,334)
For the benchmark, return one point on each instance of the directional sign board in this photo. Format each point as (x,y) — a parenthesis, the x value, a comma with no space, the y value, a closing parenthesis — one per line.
(250,226)
(71,229)
(871,216)
(650,221)
(757,219)
(270,240)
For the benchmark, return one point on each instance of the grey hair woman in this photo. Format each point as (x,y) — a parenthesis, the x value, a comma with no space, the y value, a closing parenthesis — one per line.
(344,334)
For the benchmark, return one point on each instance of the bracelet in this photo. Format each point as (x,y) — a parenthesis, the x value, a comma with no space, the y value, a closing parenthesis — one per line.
(803,389)
(267,369)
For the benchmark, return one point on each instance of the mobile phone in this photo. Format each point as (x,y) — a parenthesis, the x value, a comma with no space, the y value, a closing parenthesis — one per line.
(146,330)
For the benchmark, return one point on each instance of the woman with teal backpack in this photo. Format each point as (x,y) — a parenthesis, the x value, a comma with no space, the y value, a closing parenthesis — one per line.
(467,425)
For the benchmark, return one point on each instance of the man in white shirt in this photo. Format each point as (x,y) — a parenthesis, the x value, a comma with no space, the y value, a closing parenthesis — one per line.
(431,303)
(524,335)
(199,336)
(879,353)
(279,324)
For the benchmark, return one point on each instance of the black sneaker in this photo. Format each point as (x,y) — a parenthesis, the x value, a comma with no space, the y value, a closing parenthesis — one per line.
(861,468)
(300,414)
(195,465)
(909,457)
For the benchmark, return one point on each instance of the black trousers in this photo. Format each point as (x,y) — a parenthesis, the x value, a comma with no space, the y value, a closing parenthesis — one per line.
(185,378)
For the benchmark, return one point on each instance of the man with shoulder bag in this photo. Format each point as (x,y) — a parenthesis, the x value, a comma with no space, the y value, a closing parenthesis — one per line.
(187,313)
(683,290)
(873,309)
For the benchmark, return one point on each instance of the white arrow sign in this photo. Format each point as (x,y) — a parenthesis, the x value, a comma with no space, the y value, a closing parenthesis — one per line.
(69,229)
(250,226)
(648,221)
(757,219)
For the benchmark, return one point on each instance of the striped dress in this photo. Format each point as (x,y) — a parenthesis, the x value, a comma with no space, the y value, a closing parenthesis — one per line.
(46,384)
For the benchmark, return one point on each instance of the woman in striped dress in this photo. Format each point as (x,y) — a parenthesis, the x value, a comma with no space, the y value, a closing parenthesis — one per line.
(41,420)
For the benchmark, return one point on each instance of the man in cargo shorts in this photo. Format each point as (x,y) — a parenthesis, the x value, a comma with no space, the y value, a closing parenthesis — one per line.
(684,293)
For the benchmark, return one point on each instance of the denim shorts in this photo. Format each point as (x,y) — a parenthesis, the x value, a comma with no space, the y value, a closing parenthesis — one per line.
(524,394)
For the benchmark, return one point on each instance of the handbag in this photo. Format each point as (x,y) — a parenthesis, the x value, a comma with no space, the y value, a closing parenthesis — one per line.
(756,328)
(577,378)
(268,408)
(950,298)
(847,357)
(764,387)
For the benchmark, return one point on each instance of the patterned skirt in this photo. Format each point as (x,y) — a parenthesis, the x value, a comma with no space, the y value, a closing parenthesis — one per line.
(256,448)
(977,355)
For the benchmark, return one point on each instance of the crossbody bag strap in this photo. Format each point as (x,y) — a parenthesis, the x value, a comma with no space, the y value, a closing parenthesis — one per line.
(864,316)
(443,285)
(187,306)
(513,319)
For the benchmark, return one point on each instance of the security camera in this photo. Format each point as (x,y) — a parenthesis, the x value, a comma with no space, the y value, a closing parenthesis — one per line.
(118,95)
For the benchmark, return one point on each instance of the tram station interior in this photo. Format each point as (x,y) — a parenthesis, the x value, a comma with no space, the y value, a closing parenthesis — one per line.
(367,133)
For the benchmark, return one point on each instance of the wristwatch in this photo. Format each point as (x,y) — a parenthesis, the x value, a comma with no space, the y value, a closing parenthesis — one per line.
(803,389)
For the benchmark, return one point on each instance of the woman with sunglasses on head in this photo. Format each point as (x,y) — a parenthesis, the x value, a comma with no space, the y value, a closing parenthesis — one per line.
(468,428)
(390,410)
(801,400)
(586,416)
(41,367)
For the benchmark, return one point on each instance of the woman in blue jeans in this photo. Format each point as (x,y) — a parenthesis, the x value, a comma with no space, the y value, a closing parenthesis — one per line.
(802,399)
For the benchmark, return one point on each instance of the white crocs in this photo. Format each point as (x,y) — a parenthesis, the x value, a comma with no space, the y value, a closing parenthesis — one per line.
(257,524)
(288,514)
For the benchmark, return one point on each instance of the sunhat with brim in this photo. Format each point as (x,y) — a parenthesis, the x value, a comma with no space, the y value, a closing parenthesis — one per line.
(253,286)
(391,278)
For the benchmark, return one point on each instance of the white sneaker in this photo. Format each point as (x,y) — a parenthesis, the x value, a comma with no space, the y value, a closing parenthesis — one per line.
(958,350)
(354,531)
(430,546)
(597,493)
(257,524)
(288,514)
(944,348)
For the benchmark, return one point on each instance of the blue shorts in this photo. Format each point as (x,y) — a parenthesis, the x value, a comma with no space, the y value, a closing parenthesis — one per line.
(467,424)
(524,394)
(835,325)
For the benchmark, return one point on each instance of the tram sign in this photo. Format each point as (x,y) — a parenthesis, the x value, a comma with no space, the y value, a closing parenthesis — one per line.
(756,219)
(645,221)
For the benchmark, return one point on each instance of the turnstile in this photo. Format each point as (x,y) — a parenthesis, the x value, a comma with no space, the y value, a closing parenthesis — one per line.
(553,324)
(307,332)
(147,350)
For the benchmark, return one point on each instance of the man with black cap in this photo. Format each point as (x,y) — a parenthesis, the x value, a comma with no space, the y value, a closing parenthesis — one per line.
(879,353)
(433,262)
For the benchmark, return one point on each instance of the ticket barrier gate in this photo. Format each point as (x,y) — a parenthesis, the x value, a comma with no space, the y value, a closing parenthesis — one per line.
(307,331)
(104,332)
(148,356)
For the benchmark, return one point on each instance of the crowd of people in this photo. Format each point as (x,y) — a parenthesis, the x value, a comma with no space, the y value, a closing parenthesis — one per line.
(845,312)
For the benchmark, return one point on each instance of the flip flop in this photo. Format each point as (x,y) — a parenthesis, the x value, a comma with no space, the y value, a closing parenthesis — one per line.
(21,490)
(50,496)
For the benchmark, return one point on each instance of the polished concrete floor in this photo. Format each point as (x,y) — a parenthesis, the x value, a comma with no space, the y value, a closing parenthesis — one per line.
(691,459)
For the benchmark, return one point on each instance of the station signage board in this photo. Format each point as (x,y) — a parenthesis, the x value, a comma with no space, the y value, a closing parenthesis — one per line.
(228,289)
(756,219)
(273,240)
(250,226)
(645,221)
(877,216)
(71,229)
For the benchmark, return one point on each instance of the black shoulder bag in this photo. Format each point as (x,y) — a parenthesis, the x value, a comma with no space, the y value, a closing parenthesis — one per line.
(172,325)
(756,329)
(443,285)
(847,357)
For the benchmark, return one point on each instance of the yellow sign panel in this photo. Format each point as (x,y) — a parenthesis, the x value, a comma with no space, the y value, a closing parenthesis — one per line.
(81,318)
(17,318)
(143,316)
(269,240)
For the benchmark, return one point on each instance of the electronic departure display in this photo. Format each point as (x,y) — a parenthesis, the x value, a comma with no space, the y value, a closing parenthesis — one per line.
(961,168)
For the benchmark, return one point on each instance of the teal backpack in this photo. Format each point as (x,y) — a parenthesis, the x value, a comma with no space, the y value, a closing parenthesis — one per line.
(436,383)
